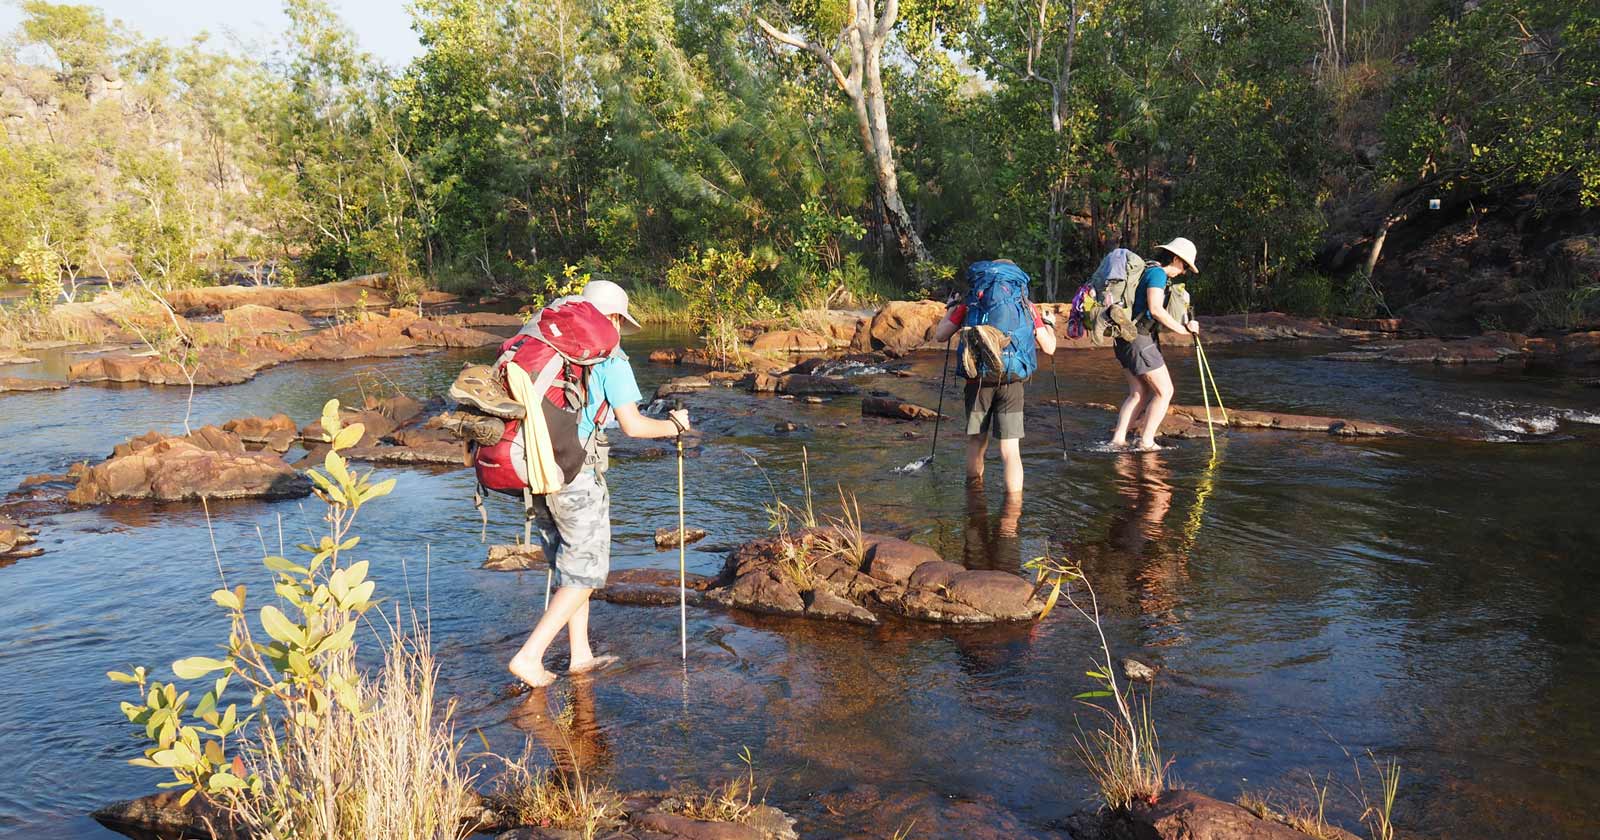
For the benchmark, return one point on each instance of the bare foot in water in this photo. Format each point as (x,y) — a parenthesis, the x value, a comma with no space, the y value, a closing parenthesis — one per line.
(593,663)
(531,673)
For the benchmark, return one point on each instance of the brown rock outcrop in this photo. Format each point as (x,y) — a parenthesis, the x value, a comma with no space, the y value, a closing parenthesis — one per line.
(10,384)
(790,341)
(209,464)
(262,319)
(431,333)
(895,409)
(1184,815)
(903,326)
(813,574)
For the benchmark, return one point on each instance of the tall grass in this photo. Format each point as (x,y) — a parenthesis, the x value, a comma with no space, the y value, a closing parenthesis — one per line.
(1123,755)
(391,770)
(560,798)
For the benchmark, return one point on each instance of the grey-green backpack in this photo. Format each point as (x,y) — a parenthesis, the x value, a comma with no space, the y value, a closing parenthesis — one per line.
(1115,283)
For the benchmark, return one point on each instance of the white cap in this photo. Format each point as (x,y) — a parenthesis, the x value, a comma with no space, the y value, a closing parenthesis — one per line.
(611,299)
(1183,249)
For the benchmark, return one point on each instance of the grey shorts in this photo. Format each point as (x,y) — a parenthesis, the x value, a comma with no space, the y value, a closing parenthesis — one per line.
(994,409)
(575,523)
(1139,356)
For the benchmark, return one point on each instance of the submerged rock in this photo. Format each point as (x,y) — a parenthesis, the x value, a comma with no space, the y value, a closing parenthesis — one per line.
(1187,421)
(800,384)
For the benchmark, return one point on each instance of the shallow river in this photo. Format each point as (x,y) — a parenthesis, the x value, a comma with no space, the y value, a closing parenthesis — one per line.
(1432,599)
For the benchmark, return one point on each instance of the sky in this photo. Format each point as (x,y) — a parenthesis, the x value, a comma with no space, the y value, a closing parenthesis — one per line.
(383,26)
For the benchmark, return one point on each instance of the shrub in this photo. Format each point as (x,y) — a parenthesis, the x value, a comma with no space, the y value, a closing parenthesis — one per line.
(722,294)
(328,752)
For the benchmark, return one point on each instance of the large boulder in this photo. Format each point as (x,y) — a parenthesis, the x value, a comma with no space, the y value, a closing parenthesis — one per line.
(209,464)
(903,326)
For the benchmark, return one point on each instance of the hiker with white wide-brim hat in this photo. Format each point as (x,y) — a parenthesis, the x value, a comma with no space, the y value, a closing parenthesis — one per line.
(1149,383)
(575,521)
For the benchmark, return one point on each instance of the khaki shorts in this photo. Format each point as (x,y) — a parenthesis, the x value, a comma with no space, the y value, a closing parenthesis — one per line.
(994,409)
(575,523)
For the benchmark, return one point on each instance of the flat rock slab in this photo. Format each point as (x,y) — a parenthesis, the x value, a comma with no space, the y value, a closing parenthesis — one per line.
(12,384)
(16,360)
(1490,348)
(1187,421)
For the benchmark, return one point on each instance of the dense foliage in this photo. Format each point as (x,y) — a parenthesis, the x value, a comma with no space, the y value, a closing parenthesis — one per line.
(634,139)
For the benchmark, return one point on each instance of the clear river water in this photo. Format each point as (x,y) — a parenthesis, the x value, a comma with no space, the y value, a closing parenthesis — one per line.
(1431,598)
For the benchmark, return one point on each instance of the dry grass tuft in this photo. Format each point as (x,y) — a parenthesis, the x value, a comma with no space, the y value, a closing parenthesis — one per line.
(846,541)
(733,801)
(392,770)
(554,798)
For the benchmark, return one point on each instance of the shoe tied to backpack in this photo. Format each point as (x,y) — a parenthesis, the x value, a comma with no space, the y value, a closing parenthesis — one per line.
(477,386)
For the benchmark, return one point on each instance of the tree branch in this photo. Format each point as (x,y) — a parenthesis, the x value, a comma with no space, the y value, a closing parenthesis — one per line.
(812,47)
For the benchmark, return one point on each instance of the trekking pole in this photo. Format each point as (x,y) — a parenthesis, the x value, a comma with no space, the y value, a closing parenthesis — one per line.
(683,577)
(938,417)
(1206,365)
(1055,379)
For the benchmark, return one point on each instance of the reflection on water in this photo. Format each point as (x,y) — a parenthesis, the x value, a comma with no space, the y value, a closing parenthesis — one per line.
(1303,594)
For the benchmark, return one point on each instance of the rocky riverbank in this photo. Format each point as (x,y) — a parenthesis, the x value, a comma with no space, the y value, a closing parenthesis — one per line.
(639,816)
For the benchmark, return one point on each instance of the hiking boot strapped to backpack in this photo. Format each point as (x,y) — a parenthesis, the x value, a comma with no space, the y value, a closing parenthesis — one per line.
(997,333)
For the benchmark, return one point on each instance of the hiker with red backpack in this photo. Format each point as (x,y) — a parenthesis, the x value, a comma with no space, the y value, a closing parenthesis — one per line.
(1001,332)
(1150,386)
(565,375)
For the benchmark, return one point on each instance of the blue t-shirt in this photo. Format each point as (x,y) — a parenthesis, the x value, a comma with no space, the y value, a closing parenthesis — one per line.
(1154,277)
(611,380)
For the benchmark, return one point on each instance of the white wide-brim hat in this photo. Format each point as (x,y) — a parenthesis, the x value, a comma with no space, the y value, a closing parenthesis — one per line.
(1183,249)
(611,299)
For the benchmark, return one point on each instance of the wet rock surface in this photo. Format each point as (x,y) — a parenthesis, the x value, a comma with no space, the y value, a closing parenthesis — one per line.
(15,539)
(1185,815)
(814,574)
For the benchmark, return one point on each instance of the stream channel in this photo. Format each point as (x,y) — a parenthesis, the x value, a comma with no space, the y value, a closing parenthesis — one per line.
(1430,598)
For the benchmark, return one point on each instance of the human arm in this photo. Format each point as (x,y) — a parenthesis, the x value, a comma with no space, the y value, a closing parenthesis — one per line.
(1156,301)
(950,323)
(635,425)
(1044,331)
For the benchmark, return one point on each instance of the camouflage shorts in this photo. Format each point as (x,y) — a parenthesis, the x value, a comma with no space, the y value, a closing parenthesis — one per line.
(575,523)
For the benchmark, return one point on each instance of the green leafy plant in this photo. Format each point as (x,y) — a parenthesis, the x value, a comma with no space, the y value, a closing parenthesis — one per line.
(318,750)
(551,287)
(723,294)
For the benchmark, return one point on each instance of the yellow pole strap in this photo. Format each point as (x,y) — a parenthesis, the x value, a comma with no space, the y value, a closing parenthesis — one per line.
(1200,363)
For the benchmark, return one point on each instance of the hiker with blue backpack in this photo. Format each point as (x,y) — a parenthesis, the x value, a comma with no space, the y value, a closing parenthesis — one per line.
(1001,334)
(1137,328)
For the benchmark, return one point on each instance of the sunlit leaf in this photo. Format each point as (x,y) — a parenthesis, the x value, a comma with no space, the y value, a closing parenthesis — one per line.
(195,667)
(278,625)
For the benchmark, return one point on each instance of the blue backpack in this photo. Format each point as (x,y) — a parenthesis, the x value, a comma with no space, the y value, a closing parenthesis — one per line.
(999,297)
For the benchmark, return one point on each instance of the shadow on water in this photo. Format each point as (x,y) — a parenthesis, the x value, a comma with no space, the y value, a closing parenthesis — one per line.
(1432,600)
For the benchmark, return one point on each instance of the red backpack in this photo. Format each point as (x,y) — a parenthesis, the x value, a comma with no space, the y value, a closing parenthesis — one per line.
(555,351)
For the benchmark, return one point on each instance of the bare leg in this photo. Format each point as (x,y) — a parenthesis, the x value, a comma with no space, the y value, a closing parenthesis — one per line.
(1130,407)
(1011,456)
(528,664)
(1160,382)
(578,637)
(977,445)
